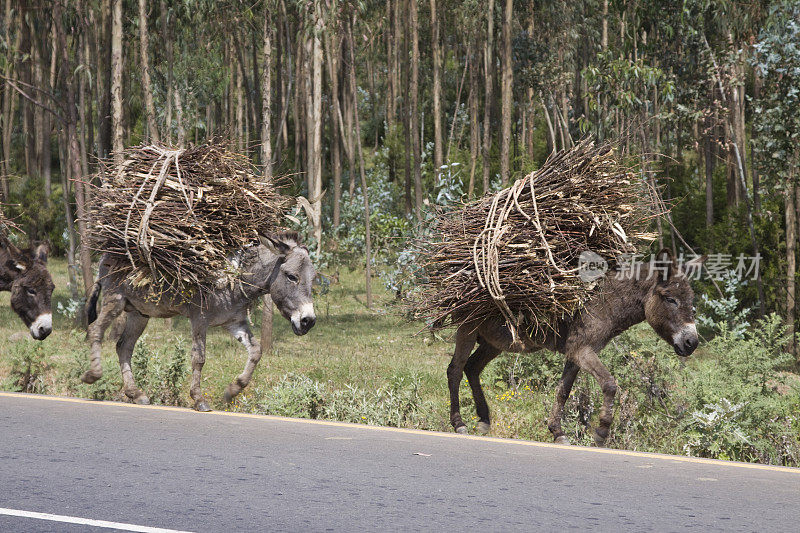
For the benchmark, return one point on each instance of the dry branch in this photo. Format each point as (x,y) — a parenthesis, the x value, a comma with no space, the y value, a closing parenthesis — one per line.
(514,254)
(177,215)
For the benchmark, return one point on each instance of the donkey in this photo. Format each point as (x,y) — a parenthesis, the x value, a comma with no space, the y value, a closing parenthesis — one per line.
(280,266)
(660,294)
(24,273)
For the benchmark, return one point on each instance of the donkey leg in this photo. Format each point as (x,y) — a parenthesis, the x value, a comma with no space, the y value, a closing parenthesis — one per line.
(240,331)
(475,365)
(465,341)
(587,359)
(562,393)
(134,327)
(113,305)
(199,329)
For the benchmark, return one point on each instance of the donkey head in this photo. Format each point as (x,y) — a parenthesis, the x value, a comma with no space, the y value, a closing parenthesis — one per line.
(669,305)
(291,280)
(24,273)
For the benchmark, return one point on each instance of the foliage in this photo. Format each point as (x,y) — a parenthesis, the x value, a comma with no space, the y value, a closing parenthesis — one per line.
(777,110)
(29,364)
(716,432)
(41,219)
(161,371)
(725,313)
(397,404)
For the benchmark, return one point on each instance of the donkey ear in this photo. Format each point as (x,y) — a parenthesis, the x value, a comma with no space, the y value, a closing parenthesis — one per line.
(665,265)
(16,266)
(274,244)
(8,246)
(696,262)
(40,252)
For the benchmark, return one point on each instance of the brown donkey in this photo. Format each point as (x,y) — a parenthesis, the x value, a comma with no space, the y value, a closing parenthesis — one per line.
(659,294)
(280,266)
(24,273)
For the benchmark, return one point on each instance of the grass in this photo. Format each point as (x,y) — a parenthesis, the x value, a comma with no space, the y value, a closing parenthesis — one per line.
(371,366)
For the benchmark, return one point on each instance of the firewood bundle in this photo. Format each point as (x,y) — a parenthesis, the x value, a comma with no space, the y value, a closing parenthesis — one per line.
(7,226)
(175,216)
(514,255)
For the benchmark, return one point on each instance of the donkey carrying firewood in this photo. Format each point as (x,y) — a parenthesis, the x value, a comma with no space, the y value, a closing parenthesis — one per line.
(660,295)
(279,266)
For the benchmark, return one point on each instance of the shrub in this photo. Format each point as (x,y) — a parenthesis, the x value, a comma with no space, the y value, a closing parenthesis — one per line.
(160,374)
(397,404)
(28,366)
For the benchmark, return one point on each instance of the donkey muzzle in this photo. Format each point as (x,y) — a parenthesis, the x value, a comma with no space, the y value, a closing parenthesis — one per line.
(304,320)
(42,326)
(686,340)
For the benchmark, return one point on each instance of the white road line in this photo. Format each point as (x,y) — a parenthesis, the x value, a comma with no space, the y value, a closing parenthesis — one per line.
(86,521)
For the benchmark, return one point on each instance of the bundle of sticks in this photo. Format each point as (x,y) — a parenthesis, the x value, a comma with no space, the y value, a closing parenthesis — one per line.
(6,225)
(514,254)
(177,215)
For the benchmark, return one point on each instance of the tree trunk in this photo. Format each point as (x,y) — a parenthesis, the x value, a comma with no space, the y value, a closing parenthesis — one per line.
(266,99)
(791,266)
(240,141)
(116,80)
(315,167)
(415,133)
(409,204)
(299,97)
(266,161)
(257,81)
(488,71)
(506,93)
(47,122)
(437,93)
(708,157)
(474,126)
(104,125)
(73,151)
(37,65)
(179,118)
(391,87)
(364,188)
(455,114)
(10,99)
(166,35)
(333,48)
(25,76)
(144,45)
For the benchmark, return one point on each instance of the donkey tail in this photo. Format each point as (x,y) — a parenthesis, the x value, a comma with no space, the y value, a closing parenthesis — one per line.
(91,305)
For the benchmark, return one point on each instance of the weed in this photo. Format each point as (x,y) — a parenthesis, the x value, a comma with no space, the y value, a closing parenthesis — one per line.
(28,366)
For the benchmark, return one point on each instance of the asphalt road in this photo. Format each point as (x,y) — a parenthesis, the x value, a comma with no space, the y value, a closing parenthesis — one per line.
(151,467)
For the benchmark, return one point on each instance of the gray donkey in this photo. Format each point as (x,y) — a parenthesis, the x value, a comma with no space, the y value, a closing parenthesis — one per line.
(659,294)
(24,274)
(279,265)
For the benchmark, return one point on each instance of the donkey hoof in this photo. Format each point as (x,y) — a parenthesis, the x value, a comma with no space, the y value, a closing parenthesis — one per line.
(482,428)
(230,393)
(599,440)
(561,439)
(462,430)
(90,377)
(201,406)
(142,400)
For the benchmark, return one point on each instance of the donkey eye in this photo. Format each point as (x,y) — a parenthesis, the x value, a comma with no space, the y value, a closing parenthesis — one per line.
(30,292)
(671,300)
(292,278)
